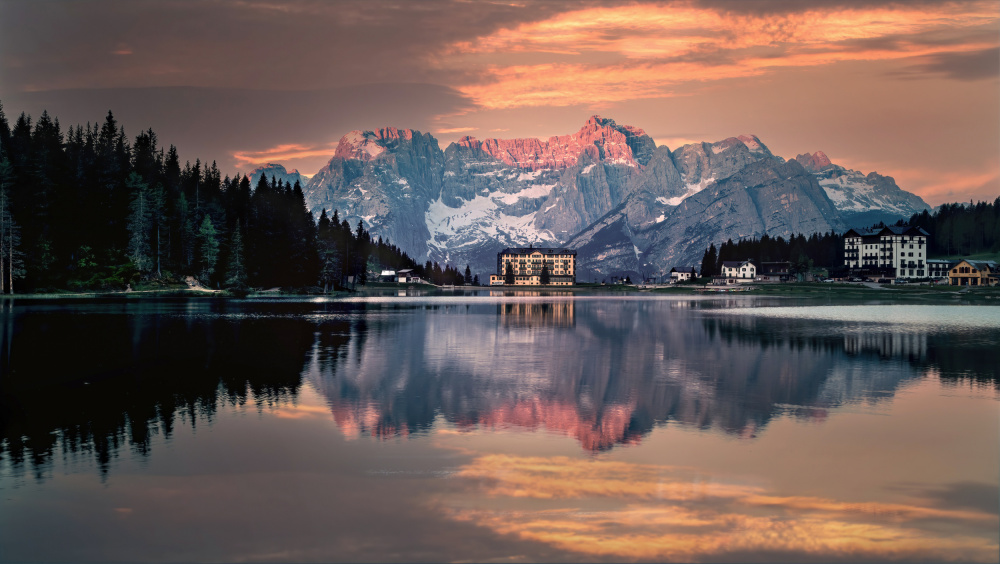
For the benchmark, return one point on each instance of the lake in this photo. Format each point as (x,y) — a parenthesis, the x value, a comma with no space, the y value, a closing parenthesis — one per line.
(498,427)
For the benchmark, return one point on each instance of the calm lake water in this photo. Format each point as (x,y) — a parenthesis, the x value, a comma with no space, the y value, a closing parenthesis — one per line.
(498,428)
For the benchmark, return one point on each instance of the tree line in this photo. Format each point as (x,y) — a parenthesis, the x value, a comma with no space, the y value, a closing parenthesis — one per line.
(92,209)
(802,252)
(961,229)
(953,229)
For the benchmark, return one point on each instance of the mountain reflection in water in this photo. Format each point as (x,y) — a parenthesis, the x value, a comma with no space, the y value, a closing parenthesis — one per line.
(93,379)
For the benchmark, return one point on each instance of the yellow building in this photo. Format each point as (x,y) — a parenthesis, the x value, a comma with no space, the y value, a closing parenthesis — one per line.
(974,273)
(525,267)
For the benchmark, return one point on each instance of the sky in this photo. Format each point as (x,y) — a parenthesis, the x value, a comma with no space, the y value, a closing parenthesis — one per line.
(909,90)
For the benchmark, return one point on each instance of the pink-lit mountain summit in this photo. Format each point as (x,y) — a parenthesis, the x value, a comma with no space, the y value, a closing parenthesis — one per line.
(606,189)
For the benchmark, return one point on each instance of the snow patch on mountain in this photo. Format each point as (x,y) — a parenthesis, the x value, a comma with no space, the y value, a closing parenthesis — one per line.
(689,190)
(480,219)
(535,191)
(852,191)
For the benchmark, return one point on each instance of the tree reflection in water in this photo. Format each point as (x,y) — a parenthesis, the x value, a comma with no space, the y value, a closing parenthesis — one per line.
(93,379)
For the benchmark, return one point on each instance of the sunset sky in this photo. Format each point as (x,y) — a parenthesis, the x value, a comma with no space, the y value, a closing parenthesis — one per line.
(909,90)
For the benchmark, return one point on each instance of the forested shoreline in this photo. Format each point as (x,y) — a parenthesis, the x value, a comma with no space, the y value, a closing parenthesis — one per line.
(92,209)
(954,229)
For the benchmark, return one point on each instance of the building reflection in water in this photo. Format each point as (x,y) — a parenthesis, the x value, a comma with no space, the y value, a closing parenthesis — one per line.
(534,314)
(605,372)
(608,372)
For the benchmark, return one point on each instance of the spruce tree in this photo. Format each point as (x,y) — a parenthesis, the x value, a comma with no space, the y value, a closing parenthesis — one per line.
(708,262)
(139,222)
(236,272)
(209,247)
(11,257)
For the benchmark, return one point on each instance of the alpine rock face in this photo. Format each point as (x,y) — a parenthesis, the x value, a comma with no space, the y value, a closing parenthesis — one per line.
(862,199)
(607,190)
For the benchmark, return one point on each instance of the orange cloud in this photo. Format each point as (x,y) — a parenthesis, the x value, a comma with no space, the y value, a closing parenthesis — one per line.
(282,153)
(448,130)
(635,511)
(602,55)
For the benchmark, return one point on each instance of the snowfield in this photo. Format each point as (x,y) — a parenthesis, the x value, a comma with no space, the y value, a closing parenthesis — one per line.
(480,219)
(690,190)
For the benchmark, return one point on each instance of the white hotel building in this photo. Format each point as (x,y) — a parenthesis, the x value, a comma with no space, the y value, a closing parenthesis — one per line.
(525,267)
(899,252)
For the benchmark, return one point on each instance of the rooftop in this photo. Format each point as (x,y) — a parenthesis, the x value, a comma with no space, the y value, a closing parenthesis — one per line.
(532,250)
(888,230)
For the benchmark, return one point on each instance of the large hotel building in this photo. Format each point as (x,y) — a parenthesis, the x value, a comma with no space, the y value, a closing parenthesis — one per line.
(888,251)
(526,264)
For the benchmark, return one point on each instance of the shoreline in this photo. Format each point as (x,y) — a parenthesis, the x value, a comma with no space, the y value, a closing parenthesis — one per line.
(794,290)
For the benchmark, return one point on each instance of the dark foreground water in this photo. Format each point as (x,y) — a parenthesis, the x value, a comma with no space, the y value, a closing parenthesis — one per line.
(491,428)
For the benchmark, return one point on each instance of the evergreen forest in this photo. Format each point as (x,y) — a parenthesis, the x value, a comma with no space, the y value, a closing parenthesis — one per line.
(92,209)
(954,230)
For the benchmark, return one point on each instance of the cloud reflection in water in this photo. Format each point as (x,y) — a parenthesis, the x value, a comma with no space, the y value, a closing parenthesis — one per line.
(646,512)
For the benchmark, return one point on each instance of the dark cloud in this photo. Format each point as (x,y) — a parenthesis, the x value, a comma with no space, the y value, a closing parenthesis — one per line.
(976,65)
(303,44)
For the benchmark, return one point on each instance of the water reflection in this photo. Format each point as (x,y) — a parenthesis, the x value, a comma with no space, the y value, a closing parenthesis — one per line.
(90,380)
(606,372)
(93,379)
(608,508)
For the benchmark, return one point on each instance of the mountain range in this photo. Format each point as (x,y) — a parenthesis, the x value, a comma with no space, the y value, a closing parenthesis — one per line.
(607,190)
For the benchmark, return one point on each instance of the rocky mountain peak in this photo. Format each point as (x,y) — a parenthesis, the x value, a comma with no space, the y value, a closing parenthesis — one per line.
(754,144)
(366,145)
(601,139)
(815,162)
(605,189)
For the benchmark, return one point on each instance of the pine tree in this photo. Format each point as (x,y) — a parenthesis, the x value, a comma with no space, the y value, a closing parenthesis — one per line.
(708,262)
(545,277)
(329,256)
(209,247)
(468,274)
(139,222)
(508,275)
(11,257)
(236,272)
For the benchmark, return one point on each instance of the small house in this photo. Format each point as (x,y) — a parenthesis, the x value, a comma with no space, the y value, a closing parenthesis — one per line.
(406,276)
(737,272)
(775,271)
(682,274)
(974,273)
